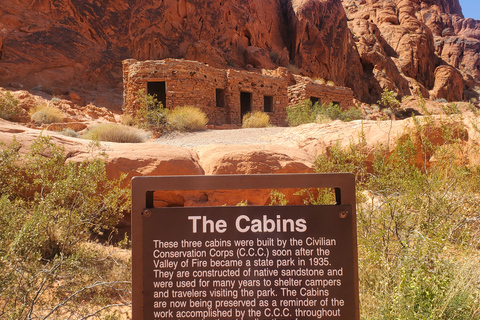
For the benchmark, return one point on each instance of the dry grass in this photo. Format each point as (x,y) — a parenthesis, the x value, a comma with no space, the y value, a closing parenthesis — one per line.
(256,119)
(46,114)
(115,133)
(187,118)
(128,120)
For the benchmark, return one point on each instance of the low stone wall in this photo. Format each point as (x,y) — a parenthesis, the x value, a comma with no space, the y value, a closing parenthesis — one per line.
(325,93)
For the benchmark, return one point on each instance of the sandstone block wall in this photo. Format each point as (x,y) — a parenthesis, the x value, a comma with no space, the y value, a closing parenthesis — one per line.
(192,83)
(327,94)
(187,83)
(195,83)
(259,86)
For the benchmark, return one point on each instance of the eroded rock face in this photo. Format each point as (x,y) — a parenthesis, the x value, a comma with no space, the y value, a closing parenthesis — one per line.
(83,42)
(401,43)
(75,48)
(320,38)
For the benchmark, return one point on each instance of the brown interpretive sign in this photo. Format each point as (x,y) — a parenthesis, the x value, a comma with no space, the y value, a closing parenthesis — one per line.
(245,262)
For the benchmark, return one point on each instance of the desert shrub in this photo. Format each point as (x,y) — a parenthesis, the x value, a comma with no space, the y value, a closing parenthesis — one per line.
(46,114)
(256,119)
(418,229)
(9,108)
(451,108)
(115,133)
(305,112)
(151,115)
(187,118)
(389,101)
(50,208)
(70,133)
(128,120)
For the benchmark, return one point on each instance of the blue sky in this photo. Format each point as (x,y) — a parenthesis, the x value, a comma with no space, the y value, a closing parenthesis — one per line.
(471,8)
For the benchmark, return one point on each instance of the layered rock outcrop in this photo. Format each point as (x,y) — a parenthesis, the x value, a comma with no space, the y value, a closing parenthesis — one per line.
(75,48)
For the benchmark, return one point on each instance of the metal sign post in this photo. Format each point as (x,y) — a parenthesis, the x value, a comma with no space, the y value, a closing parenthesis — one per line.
(245,262)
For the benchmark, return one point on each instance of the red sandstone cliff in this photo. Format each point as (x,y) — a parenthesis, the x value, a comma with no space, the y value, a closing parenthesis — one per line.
(77,46)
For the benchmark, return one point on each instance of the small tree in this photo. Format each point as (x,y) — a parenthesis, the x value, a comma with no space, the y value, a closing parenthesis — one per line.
(151,115)
(389,100)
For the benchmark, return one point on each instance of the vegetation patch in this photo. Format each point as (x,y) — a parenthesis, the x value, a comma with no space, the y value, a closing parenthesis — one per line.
(115,133)
(50,209)
(70,133)
(256,119)
(46,114)
(306,112)
(151,115)
(418,223)
(187,119)
(9,108)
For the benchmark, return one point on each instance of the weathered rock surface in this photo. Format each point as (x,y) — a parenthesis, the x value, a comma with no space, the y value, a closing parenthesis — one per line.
(401,44)
(150,159)
(75,48)
(221,159)
(294,152)
(448,84)
(320,38)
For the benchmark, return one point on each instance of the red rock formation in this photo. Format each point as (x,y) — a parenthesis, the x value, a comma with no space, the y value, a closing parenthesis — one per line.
(76,47)
(448,84)
(320,38)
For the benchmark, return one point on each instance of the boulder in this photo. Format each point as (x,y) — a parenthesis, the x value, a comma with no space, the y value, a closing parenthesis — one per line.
(232,159)
(448,84)
(149,159)
(259,58)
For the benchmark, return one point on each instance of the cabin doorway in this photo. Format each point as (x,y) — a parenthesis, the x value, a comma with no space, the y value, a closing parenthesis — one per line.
(245,103)
(159,90)
(314,100)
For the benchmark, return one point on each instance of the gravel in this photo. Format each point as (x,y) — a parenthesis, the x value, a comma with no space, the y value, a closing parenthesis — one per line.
(252,136)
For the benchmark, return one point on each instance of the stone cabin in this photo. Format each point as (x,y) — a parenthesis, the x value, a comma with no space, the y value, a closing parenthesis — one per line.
(225,95)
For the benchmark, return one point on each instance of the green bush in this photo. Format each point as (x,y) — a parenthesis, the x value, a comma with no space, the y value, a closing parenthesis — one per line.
(187,119)
(256,119)
(9,108)
(418,230)
(390,102)
(50,208)
(46,115)
(305,112)
(151,115)
(114,133)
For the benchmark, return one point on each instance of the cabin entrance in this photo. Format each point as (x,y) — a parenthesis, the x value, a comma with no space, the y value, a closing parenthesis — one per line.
(159,90)
(245,103)
(314,100)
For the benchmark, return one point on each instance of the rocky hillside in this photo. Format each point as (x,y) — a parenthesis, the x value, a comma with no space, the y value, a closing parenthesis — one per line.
(74,48)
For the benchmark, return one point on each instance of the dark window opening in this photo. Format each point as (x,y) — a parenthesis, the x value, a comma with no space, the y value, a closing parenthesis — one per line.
(158,89)
(314,100)
(336,102)
(245,103)
(220,98)
(267,103)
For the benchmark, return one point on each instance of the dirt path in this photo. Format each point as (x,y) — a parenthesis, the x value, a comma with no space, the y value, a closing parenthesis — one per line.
(250,136)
